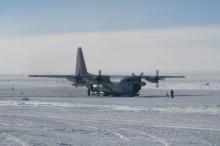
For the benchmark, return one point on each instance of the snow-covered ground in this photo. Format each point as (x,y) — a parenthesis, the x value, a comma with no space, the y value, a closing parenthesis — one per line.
(60,115)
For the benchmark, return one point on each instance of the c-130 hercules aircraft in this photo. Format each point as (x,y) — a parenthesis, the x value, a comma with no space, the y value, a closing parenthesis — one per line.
(102,85)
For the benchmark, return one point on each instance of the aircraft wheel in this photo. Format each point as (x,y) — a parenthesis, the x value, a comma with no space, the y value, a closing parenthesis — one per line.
(89,92)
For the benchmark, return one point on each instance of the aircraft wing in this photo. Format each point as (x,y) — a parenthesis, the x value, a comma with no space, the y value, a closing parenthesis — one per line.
(77,81)
(82,81)
(68,77)
(155,79)
(148,78)
(53,76)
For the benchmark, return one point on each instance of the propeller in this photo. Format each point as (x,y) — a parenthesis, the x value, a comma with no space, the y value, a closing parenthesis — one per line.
(99,81)
(141,75)
(137,82)
(133,75)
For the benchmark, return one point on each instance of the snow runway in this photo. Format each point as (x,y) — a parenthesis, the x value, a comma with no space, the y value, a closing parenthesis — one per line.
(68,121)
(61,115)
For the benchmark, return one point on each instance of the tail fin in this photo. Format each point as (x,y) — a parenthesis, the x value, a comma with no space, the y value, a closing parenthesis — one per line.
(80,63)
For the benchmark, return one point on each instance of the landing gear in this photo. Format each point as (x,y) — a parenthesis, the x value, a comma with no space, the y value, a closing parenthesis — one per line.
(90,87)
(105,94)
(98,93)
(134,94)
(89,92)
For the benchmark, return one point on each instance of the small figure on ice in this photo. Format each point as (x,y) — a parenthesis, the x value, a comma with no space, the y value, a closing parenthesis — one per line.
(172,94)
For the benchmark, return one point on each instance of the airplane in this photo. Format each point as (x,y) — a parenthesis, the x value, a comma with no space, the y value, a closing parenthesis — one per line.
(102,84)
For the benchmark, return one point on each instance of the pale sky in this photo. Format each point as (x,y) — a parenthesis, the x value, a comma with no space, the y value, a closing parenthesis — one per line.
(116,36)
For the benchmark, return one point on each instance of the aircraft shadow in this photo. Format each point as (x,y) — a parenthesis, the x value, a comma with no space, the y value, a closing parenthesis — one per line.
(93,96)
(176,96)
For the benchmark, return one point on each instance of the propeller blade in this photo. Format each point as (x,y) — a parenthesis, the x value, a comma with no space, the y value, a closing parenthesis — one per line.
(133,75)
(99,77)
(99,80)
(141,74)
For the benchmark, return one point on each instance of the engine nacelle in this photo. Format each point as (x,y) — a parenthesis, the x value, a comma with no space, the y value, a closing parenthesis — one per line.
(96,87)
(143,84)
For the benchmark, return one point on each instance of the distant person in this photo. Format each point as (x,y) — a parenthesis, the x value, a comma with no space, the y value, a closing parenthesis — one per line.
(172,94)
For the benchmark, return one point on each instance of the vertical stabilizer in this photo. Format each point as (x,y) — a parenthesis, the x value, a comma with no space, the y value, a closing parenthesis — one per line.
(80,64)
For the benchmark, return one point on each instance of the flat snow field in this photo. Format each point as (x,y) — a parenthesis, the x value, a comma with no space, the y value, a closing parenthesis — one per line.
(65,116)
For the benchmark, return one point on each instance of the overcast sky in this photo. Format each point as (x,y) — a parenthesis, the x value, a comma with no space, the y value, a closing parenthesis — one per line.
(116,35)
